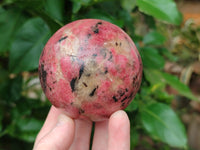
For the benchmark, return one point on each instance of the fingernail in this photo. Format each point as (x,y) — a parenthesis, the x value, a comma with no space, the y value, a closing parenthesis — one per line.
(119,114)
(62,119)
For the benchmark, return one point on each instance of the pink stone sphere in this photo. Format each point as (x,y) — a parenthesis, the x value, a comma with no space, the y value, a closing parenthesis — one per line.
(90,68)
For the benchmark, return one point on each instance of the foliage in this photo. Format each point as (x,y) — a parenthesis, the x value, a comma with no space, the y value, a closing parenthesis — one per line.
(186,43)
(25,27)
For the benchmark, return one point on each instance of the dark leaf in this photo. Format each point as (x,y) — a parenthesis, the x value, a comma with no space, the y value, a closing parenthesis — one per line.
(10,89)
(77,4)
(25,128)
(98,14)
(55,9)
(10,21)
(134,104)
(28,45)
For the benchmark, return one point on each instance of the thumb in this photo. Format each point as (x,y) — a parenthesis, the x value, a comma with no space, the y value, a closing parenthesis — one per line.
(60,137)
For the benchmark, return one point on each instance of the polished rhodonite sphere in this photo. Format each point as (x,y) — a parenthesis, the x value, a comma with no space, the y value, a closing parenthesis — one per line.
(90,68)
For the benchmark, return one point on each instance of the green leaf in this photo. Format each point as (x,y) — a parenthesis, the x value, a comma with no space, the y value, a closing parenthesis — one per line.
(25,4)
(53,24)
(55,9)
(162,124)
(128,5)
(28,45)
(77,4)
(156,77)
(10,89)
(10,21)
(1,10)
(98,14)
(28,128)
(1,118)
(76,7)
(134,140)
(43,9)
(154,38)
(174,82)
(15,88)
(151,58)
(25,128)
(134,104)
(164,10)
(153,76)
(3,75)
(29,124)
(158,92)
(165,52)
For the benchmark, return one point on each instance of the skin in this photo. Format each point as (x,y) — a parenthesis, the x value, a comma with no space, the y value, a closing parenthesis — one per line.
(60,132)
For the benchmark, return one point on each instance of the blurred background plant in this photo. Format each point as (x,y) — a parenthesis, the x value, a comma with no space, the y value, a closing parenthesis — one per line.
(170,50)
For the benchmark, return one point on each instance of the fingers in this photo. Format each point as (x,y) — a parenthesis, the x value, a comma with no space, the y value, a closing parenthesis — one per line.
(64,133)
(59,137)
(82,135)
(100,139)
(113,134)
(119,131)
(52,132)
(50,122)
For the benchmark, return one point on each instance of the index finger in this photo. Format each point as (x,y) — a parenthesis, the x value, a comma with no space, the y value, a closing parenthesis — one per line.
(49,123)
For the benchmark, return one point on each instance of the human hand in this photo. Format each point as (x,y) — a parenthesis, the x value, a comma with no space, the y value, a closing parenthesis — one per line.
(60,132)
